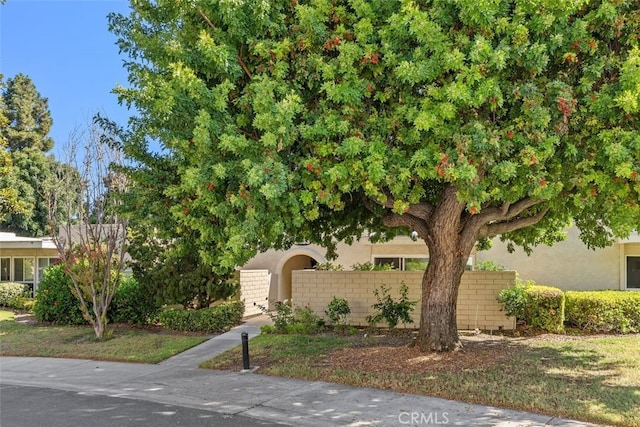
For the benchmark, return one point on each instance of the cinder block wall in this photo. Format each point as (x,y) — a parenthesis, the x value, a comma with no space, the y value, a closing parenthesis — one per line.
(477,305)
(254,290)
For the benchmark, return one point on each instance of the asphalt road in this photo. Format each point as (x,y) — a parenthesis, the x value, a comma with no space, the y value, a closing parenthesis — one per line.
(22,406)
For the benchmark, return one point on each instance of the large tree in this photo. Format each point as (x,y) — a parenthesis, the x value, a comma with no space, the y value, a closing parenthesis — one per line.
(165,254)
(9,201)
(460,120)
(25,122)
(28,113)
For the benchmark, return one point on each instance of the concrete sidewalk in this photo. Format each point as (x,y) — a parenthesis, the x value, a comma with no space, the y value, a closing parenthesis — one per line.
(179,381)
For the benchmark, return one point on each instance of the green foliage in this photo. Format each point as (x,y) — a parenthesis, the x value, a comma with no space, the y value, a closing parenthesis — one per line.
(488,265)
(390,310)
(544,308)
(368,266)
(13,295)
(328,266)
(514,300)
(338,311)
(282,118)
(304,322)
(281,317)
(132,304)
(55,301)
(289,320)
(541,307)
(603,311)
(291,122)
(209,320)
(28,116)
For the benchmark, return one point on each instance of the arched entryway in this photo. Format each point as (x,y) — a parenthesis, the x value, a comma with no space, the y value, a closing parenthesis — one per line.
(295,259)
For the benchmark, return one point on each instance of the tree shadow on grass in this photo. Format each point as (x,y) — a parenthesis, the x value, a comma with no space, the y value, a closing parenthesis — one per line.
(581,382)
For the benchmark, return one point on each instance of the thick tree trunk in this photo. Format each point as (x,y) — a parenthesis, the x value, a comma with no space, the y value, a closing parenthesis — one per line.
(440,283)
(450,240)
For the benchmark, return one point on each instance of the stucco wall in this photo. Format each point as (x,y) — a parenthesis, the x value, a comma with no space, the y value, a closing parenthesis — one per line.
(254,290)
(568,265)
(477,305)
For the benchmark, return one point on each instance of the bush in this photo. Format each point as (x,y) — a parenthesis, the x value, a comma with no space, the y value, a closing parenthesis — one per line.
(305,322)
(544,308)
(368,266)
(488,265)
(209,320)
(132,305)
(514,300)
(289,320)
(338,311)
(391,310)
(603,311)
(13,295)
(54,300)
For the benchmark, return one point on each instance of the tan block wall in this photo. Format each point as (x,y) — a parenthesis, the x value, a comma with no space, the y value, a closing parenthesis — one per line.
(254,290)
(477,306)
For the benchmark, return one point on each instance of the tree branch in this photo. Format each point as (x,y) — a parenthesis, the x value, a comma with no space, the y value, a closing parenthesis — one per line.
(243,65)
(419,225)
(206,18)
(492,230)
(508,211)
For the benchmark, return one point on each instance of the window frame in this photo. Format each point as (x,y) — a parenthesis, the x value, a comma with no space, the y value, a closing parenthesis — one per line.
(626,273)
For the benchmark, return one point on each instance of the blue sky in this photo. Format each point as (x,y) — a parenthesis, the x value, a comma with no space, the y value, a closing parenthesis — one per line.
(65,47)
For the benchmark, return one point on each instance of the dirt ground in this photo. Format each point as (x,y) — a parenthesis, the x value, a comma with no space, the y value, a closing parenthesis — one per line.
(396,354)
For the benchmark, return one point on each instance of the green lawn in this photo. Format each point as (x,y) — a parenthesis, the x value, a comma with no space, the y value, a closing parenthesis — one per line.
(594,379)
(79,342)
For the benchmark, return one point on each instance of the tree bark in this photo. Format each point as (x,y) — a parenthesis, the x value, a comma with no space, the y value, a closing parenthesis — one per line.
(450,239)
(440,283)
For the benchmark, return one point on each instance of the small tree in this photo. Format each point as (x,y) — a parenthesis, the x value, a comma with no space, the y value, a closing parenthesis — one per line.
(92,237)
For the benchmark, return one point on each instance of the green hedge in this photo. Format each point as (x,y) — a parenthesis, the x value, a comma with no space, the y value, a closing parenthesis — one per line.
(214,319)
(13,295)
(132,304)
(545,308)
(603,311)
(540,307)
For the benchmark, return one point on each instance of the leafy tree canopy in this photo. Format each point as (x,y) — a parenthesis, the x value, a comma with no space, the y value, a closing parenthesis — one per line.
(28,173)
(29,119)
(9,202)
(462,120)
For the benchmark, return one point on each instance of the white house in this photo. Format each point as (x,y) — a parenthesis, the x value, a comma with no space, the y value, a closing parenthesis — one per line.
(23,259)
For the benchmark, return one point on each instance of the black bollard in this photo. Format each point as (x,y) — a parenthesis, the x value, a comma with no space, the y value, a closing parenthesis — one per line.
(245,350)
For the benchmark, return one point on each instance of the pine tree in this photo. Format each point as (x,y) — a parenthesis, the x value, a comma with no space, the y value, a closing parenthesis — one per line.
(28,114)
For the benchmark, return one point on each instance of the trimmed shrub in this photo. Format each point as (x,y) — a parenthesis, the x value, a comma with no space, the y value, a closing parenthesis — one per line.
(544,308)
(209,320)
(13,295)
(603,311)
(132,305)
(514,300)
(54,300)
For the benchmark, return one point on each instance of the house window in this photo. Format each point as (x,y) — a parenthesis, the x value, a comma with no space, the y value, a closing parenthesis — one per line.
(633,272)
(402,263)
(43,263)
(394,262)
(5,269)
(23,270)
(409,263)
